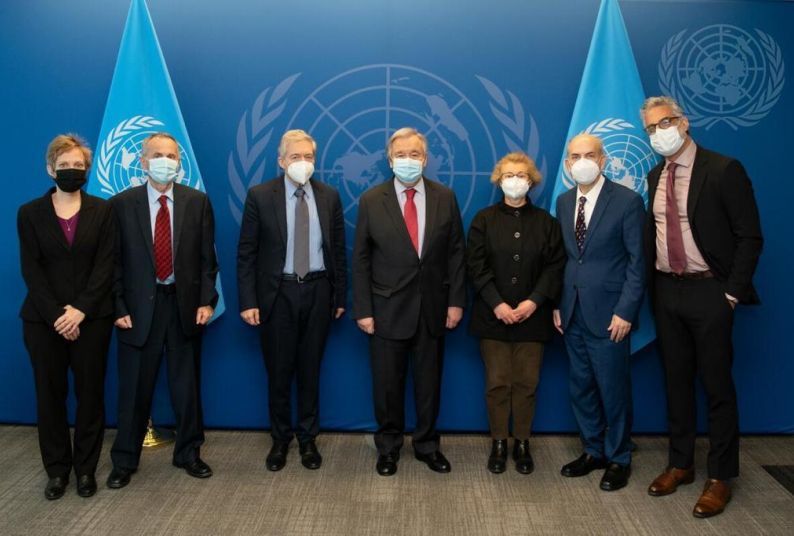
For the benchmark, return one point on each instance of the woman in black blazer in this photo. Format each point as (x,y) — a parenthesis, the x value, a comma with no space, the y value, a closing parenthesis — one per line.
(66,241)
(515,259)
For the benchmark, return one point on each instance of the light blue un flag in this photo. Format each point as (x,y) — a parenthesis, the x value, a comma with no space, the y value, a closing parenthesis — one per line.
(141,101)
(608,104)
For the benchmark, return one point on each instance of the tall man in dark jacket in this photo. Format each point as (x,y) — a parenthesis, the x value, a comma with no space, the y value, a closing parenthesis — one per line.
(702,240)
(292,276)
(164,296)
(408,288)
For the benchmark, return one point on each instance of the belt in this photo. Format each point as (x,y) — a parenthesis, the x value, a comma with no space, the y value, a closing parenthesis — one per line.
(691,276)
(311,276)
(166,289)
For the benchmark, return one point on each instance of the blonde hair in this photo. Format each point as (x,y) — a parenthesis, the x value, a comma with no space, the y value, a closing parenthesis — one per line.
(165,135)
(406,132)
(516,158)
(292,136)
(66,142)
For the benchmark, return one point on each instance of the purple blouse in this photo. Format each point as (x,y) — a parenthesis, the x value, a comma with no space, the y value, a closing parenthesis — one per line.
(69,227)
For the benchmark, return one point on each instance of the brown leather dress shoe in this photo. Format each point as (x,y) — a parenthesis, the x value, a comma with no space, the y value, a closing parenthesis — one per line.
(668,482)
(716,494)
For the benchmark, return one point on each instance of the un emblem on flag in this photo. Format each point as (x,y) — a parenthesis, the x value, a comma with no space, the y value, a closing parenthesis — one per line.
(723,74)
(118,162)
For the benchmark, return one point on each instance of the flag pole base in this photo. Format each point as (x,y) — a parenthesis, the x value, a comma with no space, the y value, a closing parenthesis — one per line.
(156,437)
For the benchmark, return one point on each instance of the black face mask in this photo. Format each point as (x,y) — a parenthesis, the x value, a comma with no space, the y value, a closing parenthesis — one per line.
(70,180)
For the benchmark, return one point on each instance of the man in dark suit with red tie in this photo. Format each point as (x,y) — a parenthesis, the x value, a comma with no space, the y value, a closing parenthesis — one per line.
(408,288)
(165,294)
(702,239)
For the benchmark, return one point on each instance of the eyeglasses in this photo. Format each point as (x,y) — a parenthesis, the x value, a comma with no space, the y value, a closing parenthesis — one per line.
(520,175)
(666,122)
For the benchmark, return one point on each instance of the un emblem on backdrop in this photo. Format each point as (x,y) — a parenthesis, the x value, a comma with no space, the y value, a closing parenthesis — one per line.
(352,116)
(118,162)
(723,74)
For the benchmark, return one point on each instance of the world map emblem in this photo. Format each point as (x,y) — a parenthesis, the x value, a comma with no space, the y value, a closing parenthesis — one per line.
(723,74)
(118,162)
(353,114)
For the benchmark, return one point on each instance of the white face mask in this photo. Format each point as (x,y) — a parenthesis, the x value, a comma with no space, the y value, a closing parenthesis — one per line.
(163,170)
(584,171)
(300,171)
(667,141)
(515,188)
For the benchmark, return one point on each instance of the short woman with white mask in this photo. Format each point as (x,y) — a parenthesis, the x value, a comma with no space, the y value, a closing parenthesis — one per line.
(515,261)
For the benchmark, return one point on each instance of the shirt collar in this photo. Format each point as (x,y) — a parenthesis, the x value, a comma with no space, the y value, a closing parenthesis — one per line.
(592,195)
(154,195)
(686,158)
(291,187)
(419,186)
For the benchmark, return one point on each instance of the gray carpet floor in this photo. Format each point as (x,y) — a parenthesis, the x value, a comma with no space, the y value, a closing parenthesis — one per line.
(347,497)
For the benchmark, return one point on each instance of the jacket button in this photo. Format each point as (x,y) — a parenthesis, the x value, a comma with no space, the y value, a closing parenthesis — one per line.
(151,297)
(516,214)
(517,234)
(514,280)
(580,261)
(516,257)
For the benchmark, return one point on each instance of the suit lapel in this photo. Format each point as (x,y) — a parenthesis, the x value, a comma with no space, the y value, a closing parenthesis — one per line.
(392,206)
(696,182)
(144,221)
(279,204)
(323,213)
(565,217)
(431,210)
(600,208)
(179,215)
(51,219)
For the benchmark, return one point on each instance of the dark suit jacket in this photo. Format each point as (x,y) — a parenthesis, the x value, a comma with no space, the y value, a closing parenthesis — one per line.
(724,219)
(390,281)
(56,274)
(262,249)
(608,276)
(195,265)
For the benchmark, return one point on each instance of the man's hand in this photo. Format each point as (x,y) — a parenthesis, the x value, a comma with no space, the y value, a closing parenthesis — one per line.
(203,314)
(339,312)
(69,320)
(505,313)
(251,316)
(524,310)
(618,329)
(125,322)
(557,318)
(454,314)
(367,325)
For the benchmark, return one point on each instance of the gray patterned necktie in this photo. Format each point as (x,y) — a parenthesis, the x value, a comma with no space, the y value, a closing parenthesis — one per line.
(301,242)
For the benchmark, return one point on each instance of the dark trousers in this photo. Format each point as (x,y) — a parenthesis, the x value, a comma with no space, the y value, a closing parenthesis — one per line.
(600,388)
(293,340)
(138,368)
(389,360)
(512,371)
(694,325)
(52,356)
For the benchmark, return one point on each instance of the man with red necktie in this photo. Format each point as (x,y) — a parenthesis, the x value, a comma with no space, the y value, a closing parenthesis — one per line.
(702,241)
(408,288)
(164,294)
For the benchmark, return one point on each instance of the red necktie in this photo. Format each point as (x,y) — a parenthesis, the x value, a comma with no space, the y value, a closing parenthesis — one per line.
(163,258)
(675,240)
(411,220)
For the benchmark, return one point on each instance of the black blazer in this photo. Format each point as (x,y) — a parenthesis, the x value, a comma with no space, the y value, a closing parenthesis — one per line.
(390,281)
(262,249)
(195,265)
(724,219)
(514,254)
(56,274)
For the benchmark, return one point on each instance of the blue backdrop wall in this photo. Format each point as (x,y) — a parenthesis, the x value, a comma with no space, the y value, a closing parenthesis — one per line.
(481,78)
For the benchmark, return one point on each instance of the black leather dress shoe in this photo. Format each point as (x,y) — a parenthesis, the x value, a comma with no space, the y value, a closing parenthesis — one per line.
(56,487)
(118,478)
(435,461)
(310,457)
(497,460)
(615,477)
(387,464)
(197,468)
(277,457)
(582,465)
(86,485)
(522,457)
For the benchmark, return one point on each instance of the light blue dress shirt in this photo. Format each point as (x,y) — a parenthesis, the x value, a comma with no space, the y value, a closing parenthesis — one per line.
(420,200)
(316,262)
(154,207)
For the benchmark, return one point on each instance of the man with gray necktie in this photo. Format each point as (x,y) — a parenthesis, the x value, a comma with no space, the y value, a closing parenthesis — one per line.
(291,276)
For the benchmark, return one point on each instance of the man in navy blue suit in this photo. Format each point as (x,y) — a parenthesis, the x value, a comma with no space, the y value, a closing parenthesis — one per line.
(602,224)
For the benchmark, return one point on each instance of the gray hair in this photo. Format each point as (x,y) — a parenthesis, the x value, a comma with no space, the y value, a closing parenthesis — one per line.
(653,102)
(598,142)
(166,135)
(291,136)
(406,132)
